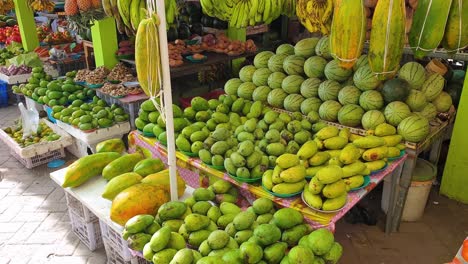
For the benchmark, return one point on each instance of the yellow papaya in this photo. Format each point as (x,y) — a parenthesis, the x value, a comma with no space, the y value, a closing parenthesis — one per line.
(375,165)
(266,179)
(289,188)
(136,200)
(111,145)
(148,166)
(335,143)
(311,171)
(350,154)
(335,203)
(124,164)
(375,153)
(368,142)
(393,140)
(354,182)
(87,167)
(393,152)
(353,169)
(120,183)
(294,174)
(456,30)
(319,158)
(161,179)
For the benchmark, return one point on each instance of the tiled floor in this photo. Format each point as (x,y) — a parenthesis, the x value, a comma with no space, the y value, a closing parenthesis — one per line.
(35,228)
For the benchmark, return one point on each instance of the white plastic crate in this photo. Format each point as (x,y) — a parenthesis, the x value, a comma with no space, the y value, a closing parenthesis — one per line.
(15,79)
(88,232)
(115,241)
(79,209)
(39,159)
(97,135)
(79,148)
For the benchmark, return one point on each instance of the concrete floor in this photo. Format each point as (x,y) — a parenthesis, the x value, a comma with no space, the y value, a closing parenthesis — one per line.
(35,228)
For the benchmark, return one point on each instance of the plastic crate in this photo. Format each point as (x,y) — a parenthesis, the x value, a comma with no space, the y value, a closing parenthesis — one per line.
(115,241)
(50,114)
(63,67)
(114,256)
(39,159)
(79,209)
(88,232)
(80,149)
(3,94)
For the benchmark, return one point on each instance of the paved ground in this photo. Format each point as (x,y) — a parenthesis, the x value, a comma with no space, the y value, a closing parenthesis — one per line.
(35,228)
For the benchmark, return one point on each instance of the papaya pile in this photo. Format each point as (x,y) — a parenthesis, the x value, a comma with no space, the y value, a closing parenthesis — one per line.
(224,233)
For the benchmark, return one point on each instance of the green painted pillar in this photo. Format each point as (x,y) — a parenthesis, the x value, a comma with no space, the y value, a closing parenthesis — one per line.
(105,43)
(455,179)
(27,25)
(237,34)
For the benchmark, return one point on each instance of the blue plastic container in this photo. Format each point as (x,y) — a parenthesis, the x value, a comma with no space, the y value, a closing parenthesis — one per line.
(50,114)
(3,94)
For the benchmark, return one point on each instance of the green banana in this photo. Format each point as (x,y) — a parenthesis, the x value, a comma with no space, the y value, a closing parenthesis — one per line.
(106,5)
(124,10)
(135,13)
(142,10)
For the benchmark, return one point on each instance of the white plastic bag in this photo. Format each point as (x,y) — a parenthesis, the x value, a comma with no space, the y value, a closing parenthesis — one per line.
(30,120)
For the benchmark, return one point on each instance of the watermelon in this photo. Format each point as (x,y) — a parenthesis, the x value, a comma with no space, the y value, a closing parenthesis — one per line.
(292,84)
(335,73)
(365,79)
(328,90)
(371,119)
(414,73)
(443,102)
(286,49)
(231,86)
(414,128)
(395,90)
(293,102)
(246,90)
(261,93)
(306,47)
(309,88)
(348,82)
(315,66)
(260,76)
(294,65)
(362,61)
(350,115)
(395,112)
(261,59)
(429,112)
(276,98)
(246,73)
(322,48)
(433,86)
(275,63)
(328,111)
(311,104)
(416,100)
(371,100)
(349,95)
(275,79)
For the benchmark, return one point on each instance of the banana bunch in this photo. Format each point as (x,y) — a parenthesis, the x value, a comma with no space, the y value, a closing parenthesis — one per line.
(219,9)
(171,11)
(42,5)
(127,13)
(289,8)
(6,6)
(315,15)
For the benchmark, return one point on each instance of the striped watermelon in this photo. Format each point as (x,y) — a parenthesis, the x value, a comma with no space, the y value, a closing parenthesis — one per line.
(371,100)
(261,93)
(414,73)
(395,112)
(443,102)
(294,65)
(311,104)
(261,59)
(348,82)
(275,63)
(350,115)
(414,128)
(246,90)
(361,62)
(306,47)
(322,49)
(292,84)
(328,111)
(328,90)
(365,79)
(315,66)
(371,119)
(349,95)
(334,72)
(429,112)
(293,102)
(276,98)
(286,49)
(416,100)
(246,73)
(231,86)
(260,76)
(275,79)
(309,88)
(433,86)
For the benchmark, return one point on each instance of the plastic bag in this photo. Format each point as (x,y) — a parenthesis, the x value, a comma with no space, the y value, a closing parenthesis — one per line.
(30,120)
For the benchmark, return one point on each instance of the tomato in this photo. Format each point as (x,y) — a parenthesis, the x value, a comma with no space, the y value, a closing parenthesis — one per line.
(464,252)
(465,243)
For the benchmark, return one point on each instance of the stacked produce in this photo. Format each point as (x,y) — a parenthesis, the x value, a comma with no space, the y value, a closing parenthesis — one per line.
(288,176)
(6,6)
(9,52)
(42,5)
(126,48)
(43,134)
(7,20)
(315,15)
(97,76)
(10,34)
(15,70)
(121,73)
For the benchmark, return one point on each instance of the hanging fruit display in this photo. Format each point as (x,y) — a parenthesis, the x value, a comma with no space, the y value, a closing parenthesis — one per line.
(42,5)
(456,36)
(243,13)
(6,6)
(127,13)
(315,15)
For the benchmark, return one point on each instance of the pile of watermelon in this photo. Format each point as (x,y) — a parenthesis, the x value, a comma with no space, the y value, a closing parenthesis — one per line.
(305,78)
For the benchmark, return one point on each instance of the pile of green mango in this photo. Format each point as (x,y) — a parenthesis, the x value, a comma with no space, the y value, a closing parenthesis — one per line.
(198,231)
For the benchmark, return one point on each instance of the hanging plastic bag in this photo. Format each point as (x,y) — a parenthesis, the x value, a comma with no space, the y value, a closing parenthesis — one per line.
(30,120)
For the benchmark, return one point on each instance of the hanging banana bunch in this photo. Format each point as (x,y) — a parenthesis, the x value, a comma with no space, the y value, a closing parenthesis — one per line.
(315,15)
(171,12)
(41,5)
(6,6)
